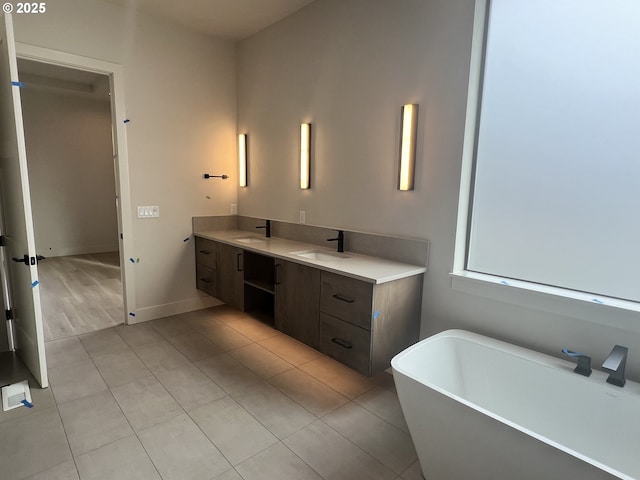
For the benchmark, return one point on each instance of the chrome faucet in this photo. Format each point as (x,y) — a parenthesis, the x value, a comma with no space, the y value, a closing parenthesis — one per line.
(615,363)
(267,227)
(339,239)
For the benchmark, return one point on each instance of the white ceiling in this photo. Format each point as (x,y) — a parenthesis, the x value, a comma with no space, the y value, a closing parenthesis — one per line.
(232,19)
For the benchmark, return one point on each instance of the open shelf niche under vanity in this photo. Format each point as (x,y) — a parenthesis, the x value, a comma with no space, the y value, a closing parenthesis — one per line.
(259,286)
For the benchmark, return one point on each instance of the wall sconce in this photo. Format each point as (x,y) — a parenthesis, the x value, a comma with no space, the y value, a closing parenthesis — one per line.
(408,146)
(242,159)
(305,155)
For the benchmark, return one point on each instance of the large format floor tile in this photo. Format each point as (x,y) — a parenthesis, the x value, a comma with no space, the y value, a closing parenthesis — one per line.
(124,459)
(120,367)
(77,380)
(189,386)
(342,379)
(313,395)
(390,445)
(385,404)
(104,341)
(63,471)
(93,421)
(333,456)
(232,429)
(260,360)
(211,395)
(160,355)
(32,444)
(281,415)
(276,463)
(138,334)
(180,450)
(65,351)
(145,402)
(228,373)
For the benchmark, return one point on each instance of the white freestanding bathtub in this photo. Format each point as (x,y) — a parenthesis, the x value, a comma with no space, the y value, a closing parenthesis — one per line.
(478,408)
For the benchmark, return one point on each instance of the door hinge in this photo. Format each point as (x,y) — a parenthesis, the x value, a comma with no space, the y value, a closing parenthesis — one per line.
(3,241)
(9,314)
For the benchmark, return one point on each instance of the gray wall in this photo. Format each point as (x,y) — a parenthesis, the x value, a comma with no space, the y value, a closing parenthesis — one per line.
(71,175)
(347,66)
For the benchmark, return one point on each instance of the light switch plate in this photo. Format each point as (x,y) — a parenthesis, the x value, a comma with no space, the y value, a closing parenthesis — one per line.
(303,216)
(152,211)
(234,208)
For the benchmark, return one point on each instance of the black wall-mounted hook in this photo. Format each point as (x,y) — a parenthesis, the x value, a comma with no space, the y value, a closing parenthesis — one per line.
(223,177)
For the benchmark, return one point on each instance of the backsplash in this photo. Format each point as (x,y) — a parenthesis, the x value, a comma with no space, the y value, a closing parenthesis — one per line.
(407,250)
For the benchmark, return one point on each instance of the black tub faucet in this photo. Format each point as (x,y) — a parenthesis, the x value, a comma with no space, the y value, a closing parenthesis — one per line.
(584,363)
(339,239)
(616,363)
(267,227)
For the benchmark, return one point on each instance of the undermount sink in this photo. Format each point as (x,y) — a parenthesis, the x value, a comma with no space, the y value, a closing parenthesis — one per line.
(249,239)
(321,255)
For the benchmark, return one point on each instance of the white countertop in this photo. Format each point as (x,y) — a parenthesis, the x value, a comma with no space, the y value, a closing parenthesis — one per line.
(361,267)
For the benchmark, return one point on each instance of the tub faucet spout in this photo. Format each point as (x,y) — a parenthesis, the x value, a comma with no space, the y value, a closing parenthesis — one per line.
(616,363)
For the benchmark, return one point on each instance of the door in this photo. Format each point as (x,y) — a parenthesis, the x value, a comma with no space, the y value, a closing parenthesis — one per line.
(16,204)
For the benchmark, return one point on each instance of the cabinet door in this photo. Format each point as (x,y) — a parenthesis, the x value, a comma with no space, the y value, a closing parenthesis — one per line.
(297,301)
(229,288)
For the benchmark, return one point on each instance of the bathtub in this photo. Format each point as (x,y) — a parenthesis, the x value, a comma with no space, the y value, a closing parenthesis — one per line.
(478,408)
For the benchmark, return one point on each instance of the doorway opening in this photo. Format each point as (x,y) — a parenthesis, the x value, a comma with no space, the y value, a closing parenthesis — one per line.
(73,110)
(68,130)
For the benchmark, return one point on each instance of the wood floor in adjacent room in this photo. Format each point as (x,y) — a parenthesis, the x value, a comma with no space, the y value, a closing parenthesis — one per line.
(80,294)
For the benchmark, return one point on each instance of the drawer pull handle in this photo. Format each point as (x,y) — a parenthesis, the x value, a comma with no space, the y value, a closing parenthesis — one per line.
(205,280)
(205,252)
(342,298)
(343,343)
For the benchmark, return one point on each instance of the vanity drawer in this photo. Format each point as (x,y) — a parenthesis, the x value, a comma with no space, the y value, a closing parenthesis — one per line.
(346,343)
(205,252)
(206,279)
(347,299)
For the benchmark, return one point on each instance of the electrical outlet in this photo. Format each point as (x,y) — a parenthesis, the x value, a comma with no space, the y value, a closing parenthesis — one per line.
(234,208)
(149,212)
(303,216)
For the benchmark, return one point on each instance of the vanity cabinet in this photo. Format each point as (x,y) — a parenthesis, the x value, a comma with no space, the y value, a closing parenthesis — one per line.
(364,325)
(219,271)
(206,275)
(229,281)
(360,324)
(297,294)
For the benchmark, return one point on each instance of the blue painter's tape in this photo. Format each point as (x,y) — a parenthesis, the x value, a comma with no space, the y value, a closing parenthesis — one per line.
(126,120)
(131,314)
(376,314)
(186,239)
(504,282)
(18,84)
(597,300)
(35,284)
(27,404)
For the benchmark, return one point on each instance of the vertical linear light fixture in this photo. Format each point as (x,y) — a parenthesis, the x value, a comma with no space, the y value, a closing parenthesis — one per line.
(242,159)
(305,154)
(408,146)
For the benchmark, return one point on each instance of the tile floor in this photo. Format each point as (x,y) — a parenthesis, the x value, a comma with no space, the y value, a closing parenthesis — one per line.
(207,395)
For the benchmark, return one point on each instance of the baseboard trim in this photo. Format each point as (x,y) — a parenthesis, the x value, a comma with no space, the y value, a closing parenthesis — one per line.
(174,308)
(66,252)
